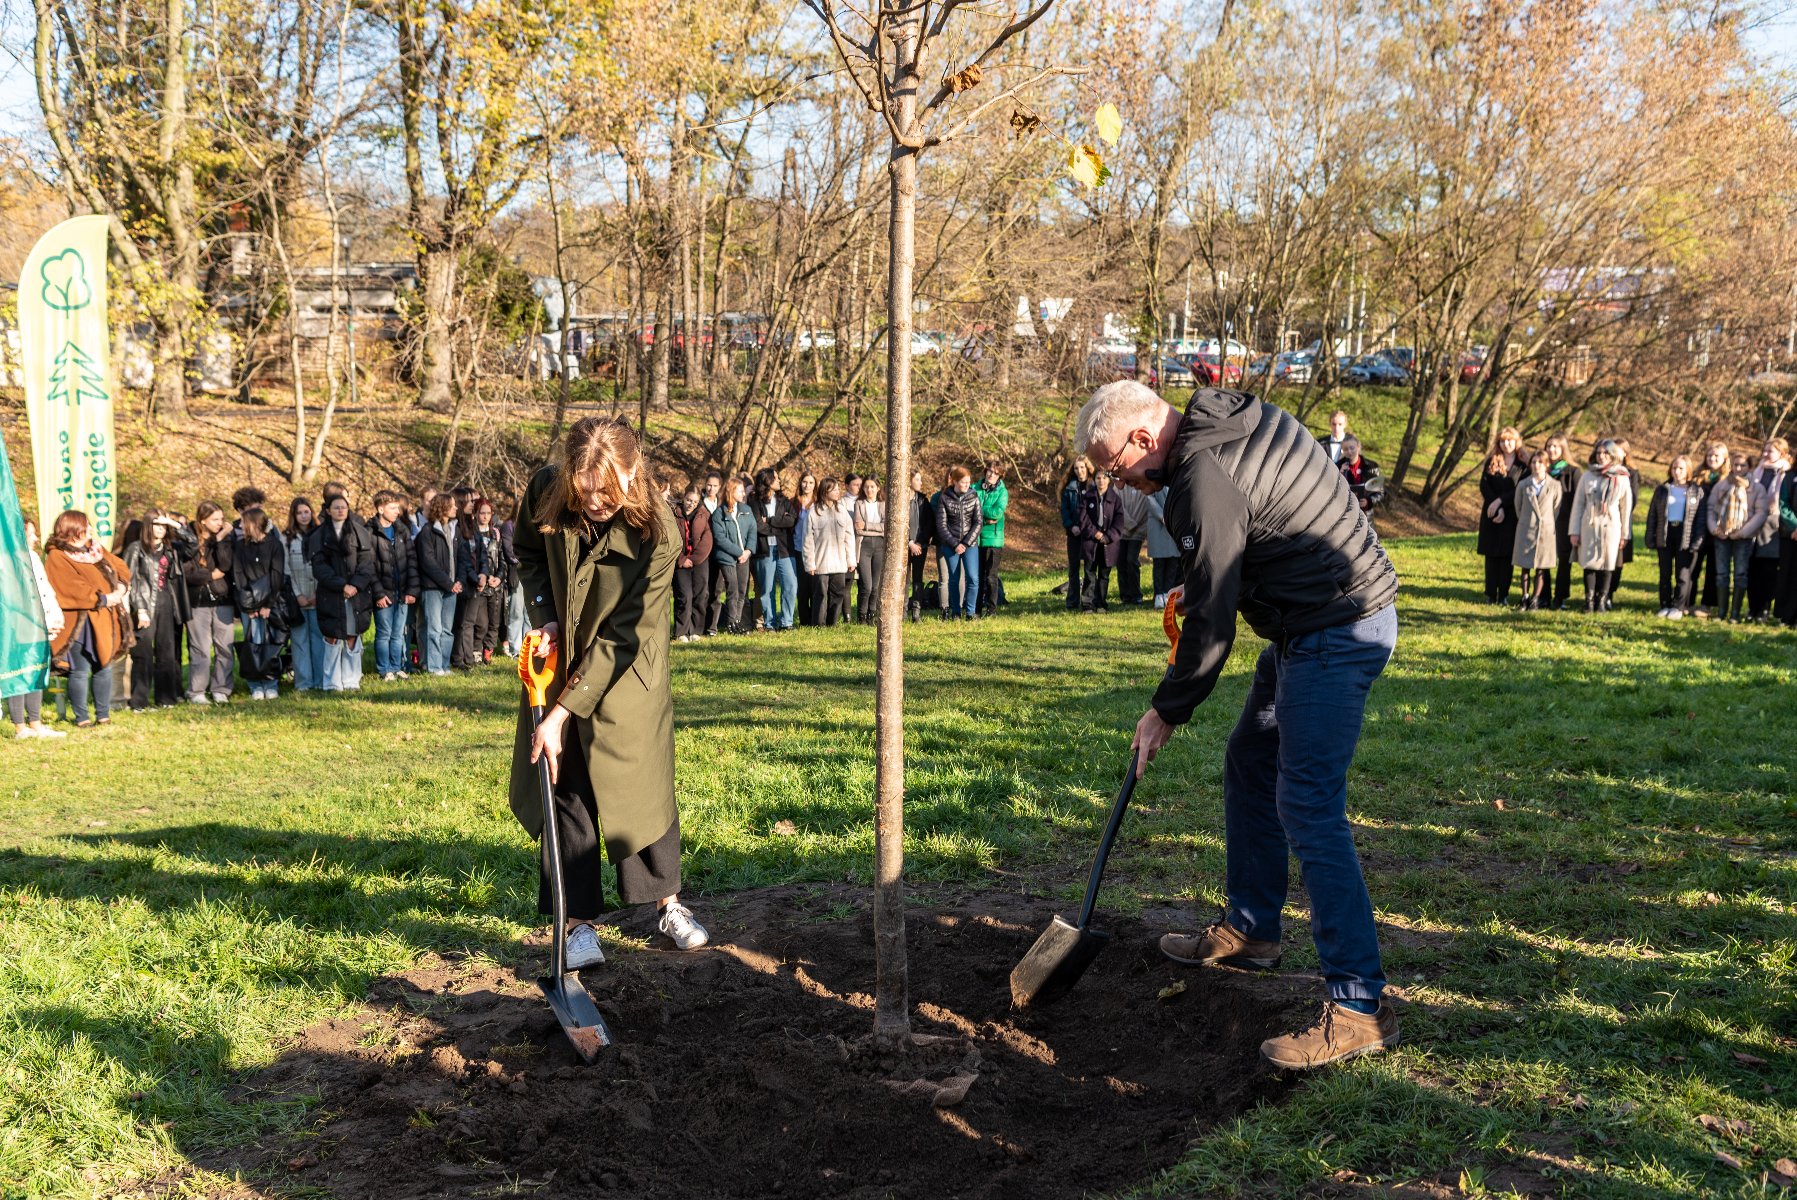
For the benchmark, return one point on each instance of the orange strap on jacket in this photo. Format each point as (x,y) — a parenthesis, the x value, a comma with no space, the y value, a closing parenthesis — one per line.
(536,679)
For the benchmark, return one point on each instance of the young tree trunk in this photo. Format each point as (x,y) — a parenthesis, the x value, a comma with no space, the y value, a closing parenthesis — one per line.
(436,359)
(656,395)
(892,1006)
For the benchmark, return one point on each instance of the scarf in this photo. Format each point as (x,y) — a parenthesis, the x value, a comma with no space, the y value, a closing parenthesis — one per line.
(89,554)
(1607,489)
(1734,507)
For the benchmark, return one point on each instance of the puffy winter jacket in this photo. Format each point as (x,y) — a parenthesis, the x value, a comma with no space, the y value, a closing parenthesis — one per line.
(395,563)
(1266,526)
(995,501)
(957,519)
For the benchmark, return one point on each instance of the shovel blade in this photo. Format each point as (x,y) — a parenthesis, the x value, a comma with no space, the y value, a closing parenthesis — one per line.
(1055,963)
(579,1018)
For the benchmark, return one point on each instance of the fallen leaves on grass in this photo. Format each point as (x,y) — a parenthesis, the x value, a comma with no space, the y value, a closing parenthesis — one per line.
(1171,990)
(1730,1129)
(1751,1060)
(1728,1160)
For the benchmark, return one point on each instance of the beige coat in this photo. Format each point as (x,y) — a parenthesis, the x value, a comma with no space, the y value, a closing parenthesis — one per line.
(1601,527)
(1536,513)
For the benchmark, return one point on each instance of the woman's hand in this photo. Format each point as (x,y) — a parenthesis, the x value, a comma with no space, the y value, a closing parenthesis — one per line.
(216,574)
(547,634)
(1574,539)
(916,549)
(143,620)
(686,564)
(546,742)
(455,589)
(307,601)
(743,557)
(383,602)
(349,591)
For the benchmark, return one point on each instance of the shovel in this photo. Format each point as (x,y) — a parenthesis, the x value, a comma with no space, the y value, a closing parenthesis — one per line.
(572,1006)
(1064,951)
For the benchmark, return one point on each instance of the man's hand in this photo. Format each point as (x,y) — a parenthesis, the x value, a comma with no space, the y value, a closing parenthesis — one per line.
(349,590)
(1151,734)
(383,602)
(547,741)
(547,633)
(1176,599)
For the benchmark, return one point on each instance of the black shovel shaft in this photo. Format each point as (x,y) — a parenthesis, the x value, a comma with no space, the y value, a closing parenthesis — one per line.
(552,850)
(1118,807)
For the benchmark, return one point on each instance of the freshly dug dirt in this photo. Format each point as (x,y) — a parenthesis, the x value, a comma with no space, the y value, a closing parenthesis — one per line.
(742,1071)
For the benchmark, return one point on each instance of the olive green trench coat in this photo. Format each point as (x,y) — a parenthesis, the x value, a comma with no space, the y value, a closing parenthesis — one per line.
(615,609)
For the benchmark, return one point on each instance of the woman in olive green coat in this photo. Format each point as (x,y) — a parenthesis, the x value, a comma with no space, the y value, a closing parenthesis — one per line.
(596,554)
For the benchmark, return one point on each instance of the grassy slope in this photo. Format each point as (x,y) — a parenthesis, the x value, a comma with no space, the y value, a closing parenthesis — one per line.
(1586,964)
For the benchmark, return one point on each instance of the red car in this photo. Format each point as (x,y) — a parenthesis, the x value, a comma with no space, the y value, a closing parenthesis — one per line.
(1210,371)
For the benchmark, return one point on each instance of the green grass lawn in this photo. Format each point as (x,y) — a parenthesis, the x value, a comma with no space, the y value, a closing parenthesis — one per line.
(1580,834)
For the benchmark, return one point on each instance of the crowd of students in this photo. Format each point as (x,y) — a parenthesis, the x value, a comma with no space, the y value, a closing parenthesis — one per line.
(1724,530)
(436,580)
(754,556)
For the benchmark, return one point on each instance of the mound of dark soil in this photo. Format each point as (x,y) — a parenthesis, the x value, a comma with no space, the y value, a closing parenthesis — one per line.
(738,1073)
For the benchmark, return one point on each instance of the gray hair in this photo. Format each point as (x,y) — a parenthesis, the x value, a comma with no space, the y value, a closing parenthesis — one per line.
(1112,412)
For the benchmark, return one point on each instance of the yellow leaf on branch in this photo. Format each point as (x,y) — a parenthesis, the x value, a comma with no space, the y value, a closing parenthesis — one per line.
(1110,124)
(1084,165)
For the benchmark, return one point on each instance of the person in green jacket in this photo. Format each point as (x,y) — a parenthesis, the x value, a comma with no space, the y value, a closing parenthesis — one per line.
(994,500)
(596,550)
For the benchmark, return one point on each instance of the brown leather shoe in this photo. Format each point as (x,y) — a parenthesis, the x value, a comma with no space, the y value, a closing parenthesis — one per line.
(1220,942)
(1339,1034)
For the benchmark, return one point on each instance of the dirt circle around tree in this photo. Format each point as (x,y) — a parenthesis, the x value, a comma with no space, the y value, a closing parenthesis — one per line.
(743,1071)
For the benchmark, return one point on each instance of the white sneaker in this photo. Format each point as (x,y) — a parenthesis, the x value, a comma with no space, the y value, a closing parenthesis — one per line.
(677,922)
(21,732)
(1675,614)
(202,698)
(47,732)
(221,697)
(583,948)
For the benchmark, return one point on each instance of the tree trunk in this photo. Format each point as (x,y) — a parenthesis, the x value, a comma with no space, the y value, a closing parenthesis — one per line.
(436,358)
(656,396)
(892,1006)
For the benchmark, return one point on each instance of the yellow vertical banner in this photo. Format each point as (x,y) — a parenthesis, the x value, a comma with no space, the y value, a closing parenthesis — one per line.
(68,394)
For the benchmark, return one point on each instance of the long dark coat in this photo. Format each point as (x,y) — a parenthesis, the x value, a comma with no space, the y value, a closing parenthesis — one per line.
(615,608)
(339,562)
(1497,537)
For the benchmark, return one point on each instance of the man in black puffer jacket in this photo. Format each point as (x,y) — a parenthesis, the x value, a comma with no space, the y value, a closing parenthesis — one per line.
(1266,526)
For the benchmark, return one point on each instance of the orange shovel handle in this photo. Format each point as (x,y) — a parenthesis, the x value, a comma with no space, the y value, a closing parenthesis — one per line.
(1170,623)
(536,678)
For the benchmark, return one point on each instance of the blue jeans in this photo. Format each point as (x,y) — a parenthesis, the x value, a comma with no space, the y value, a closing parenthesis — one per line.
(769,572)
(1732,558)
(1285,791)
(390,638)
(308,654)
(439,629)
(515,627)
(85,679)
(963,579)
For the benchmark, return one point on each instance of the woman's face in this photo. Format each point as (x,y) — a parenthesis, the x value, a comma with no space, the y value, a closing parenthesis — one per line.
(1508,443)
(1768,454)
(870,490)
(733,492)
(1681,471)
(689,502)
(215,523)
(807,486)
(917,481)
(484,515)
(339,510)
(713,485)
(1538,466)
(1104,483)
(832,494)
(992,478)
(961,485)
(1743,464)
(1554,451)
(1718,458)
(1079,472)
(303,515)
(598,501)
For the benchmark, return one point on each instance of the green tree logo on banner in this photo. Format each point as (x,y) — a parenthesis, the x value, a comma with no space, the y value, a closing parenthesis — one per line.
(65,282)
(75,377)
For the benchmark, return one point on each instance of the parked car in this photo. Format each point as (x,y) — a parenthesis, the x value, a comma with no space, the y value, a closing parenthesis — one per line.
(1288,366)
(924,343)
(808,341)
(1399,356)
(1104,367)
(1228,347)
(1377,370)
(1211,371)
(1173,372)
(1471,363)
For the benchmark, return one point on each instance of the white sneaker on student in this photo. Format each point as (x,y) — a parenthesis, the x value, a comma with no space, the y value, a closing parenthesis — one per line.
(677,922)
(1675,614)
(583,948)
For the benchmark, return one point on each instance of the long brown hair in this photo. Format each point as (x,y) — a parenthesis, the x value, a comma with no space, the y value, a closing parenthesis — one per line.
(206,540)
(599,451)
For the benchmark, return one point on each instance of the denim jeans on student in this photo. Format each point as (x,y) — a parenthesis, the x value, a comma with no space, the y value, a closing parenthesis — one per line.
(343,665)
(1733,555)
(962,588)
(772,572)
(1285,791)
(85,680)
(308,654)
(390,638)
(515,625)
(439,629)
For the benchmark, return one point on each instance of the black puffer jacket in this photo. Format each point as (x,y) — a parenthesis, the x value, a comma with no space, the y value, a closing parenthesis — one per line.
(395,563)
(957,519)
(1266,525)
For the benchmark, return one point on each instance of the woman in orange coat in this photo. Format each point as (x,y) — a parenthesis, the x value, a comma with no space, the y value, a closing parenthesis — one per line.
(89,582)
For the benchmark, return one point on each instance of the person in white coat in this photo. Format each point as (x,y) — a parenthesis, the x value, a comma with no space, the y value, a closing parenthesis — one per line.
(27,711)
(1600,520)
(830,553)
